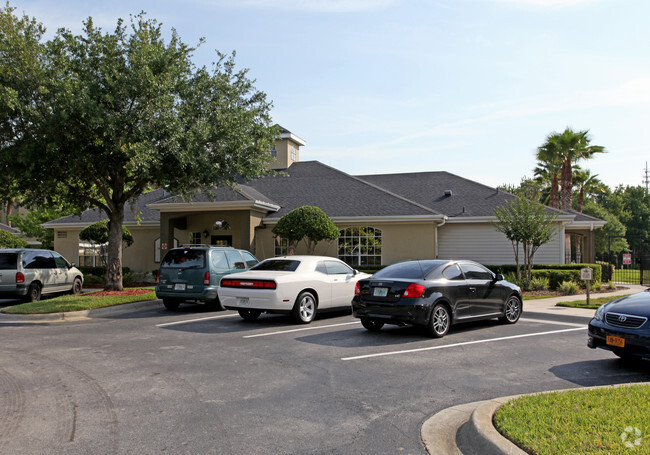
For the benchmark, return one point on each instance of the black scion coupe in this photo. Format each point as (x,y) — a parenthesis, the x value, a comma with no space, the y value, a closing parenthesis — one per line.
(623,326)
(435,294)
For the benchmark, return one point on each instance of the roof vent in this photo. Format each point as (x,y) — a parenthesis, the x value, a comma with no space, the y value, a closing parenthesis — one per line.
(448,193)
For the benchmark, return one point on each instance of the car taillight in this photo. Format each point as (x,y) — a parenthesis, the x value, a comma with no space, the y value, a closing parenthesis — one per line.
(255,284)
(20,278)
(158,277)
(206,278)
(414,290)
(357,289)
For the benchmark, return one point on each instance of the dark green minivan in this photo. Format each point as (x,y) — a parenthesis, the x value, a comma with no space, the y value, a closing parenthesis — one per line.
(192,273)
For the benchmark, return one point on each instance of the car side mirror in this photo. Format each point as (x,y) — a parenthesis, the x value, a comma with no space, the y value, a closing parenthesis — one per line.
(498,277)
(356,272)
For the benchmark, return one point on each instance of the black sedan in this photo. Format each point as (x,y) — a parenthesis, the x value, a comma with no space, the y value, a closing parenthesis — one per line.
(435,294)
(623,326)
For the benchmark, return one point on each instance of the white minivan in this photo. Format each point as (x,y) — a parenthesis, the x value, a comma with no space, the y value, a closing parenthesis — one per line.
(28,273)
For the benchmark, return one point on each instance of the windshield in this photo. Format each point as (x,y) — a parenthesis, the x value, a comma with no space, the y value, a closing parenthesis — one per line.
(184,258)
(279,265)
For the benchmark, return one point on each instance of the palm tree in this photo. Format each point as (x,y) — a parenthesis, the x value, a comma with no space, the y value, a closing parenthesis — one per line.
(587,184)
(549,165)
(569,147)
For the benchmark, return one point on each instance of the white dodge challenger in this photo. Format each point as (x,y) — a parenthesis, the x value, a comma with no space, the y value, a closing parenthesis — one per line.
(296,285)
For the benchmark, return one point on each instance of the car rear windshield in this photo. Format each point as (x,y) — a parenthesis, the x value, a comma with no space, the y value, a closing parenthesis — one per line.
(278,265)
(413,270)
(184,258)
(8,261)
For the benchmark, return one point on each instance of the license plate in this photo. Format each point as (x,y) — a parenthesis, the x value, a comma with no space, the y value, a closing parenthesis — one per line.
(179,287)
(616,341)
(380,292)
(242,301)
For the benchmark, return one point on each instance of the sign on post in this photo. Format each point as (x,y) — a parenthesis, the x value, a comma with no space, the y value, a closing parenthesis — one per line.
(587,274)
(627,258)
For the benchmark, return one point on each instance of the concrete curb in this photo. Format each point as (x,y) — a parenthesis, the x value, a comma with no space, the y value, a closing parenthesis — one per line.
(80,315)
(439,433)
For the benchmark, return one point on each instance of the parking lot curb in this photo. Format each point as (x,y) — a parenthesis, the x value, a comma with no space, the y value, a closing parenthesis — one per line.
(81,315)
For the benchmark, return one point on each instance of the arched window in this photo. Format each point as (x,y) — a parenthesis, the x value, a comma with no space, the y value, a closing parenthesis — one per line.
(360,245)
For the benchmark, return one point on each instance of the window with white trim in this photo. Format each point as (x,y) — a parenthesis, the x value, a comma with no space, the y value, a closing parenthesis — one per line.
(280,246)
(360,245)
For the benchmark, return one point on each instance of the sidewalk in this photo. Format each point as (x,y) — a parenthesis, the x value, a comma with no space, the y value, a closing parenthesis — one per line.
(470,424)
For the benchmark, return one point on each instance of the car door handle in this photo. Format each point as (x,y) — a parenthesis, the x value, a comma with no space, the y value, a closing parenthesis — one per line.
(472,289)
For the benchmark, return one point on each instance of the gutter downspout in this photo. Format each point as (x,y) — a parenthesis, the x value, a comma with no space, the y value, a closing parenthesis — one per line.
(435,235)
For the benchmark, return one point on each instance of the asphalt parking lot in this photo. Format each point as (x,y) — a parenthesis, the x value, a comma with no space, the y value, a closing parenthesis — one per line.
(193,381)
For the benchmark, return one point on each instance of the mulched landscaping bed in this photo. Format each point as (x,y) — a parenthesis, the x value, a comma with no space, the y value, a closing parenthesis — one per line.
(582,291)
(125,292)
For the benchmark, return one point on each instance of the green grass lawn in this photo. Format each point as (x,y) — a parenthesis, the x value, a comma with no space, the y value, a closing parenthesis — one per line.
(611,420)
(594,303)
(87,301)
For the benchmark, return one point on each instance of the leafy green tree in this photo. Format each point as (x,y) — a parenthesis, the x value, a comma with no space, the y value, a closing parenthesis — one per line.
(529,188)
(631,205)
(609,236)
(527,224)
(30,223)
(306,223)
(566,148)
(9,240)
(99,118)
(98,233)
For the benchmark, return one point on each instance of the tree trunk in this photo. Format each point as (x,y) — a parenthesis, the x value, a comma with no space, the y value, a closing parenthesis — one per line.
(566,183)
(554,197)
(114,263)
(581,200)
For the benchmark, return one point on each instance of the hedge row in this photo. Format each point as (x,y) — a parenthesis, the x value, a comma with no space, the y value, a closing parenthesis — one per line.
(556,272)
(99,270)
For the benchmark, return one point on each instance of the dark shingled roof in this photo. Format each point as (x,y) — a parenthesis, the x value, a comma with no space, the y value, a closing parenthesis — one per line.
(467,198)
(419,194)
(132,212)
(335,192)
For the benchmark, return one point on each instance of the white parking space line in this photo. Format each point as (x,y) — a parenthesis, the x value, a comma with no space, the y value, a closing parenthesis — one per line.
(300,329)
(547,321)
(490,340)
(189,321)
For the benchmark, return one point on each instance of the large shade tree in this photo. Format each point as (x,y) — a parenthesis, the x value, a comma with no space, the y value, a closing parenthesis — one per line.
(99,118)
(306,223)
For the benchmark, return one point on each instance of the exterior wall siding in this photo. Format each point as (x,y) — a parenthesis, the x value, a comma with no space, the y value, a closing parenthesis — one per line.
(482,243)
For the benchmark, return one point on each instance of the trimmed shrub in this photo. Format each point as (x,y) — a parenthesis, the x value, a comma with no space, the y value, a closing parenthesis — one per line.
(607,271)
(93,280)
(569,287)
(368,268)
(556,277)
(539,284)
(611,285)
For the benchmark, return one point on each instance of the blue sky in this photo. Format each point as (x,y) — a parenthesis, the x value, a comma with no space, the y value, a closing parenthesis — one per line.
(472,87)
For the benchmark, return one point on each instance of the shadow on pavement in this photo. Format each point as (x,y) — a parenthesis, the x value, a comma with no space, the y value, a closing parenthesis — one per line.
(604,371)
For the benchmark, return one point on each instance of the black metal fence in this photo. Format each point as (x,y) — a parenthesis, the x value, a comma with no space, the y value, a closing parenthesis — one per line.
(631,266)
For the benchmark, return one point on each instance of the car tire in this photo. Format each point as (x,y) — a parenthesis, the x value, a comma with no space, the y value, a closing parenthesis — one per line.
(33,293)
(171,304)
(215,305)
(512,310)
(77,286)
(249,315)
(372,325)
(440,321)
(305,308)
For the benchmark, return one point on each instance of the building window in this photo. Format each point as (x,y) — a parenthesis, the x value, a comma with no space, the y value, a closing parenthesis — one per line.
(360,246)
(61,235)
(92,255)
(195,238)
(294,153)
(281,246)
(274,151)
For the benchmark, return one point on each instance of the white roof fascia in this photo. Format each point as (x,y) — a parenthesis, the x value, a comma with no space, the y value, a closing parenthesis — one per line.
(205,206)
(82,224)
(375,219)
(294,138)
(487,219)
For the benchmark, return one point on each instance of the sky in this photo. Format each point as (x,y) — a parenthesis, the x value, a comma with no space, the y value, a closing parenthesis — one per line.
(471,87)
